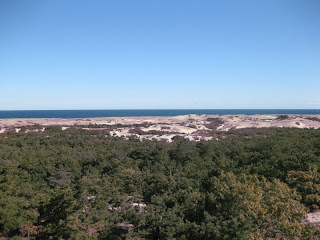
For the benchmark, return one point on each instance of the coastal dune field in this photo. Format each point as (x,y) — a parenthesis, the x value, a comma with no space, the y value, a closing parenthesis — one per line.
(193,127)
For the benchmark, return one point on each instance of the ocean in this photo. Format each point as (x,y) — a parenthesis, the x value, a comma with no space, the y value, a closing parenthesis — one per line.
(144,112)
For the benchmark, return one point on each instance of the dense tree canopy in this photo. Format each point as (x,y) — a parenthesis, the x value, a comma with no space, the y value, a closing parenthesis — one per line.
(80,184)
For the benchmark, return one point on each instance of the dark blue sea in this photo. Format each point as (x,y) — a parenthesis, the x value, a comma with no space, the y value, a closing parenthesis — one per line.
(144,112)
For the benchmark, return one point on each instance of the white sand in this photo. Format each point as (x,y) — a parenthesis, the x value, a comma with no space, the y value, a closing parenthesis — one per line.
(313,218)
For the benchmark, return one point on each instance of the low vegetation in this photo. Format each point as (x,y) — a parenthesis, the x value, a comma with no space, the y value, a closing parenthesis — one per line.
(214,123)
(282,117)
(314,119)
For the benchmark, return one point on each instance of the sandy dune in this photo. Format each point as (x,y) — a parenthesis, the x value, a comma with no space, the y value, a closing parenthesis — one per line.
(313,218)
(193,127)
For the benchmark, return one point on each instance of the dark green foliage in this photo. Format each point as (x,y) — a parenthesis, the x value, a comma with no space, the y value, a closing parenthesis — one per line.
(308,184)
(139,131)
(314,119)
(282,117)
(215,120)
(244,207)
(54,215)
(80,184)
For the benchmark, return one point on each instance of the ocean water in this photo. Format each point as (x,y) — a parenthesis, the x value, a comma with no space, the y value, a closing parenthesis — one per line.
(145,112)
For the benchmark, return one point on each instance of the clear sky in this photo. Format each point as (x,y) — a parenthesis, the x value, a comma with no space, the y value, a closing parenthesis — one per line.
(133,54)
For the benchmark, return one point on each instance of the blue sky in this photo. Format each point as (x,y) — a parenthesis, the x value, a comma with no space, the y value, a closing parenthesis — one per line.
(124,54)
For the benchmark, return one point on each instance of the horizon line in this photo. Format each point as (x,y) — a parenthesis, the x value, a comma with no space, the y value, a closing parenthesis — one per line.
(134,109)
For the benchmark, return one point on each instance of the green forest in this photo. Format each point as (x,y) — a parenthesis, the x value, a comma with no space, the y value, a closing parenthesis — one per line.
(84,184)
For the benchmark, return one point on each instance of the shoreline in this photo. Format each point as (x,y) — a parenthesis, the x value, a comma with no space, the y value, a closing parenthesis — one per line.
(99,113)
